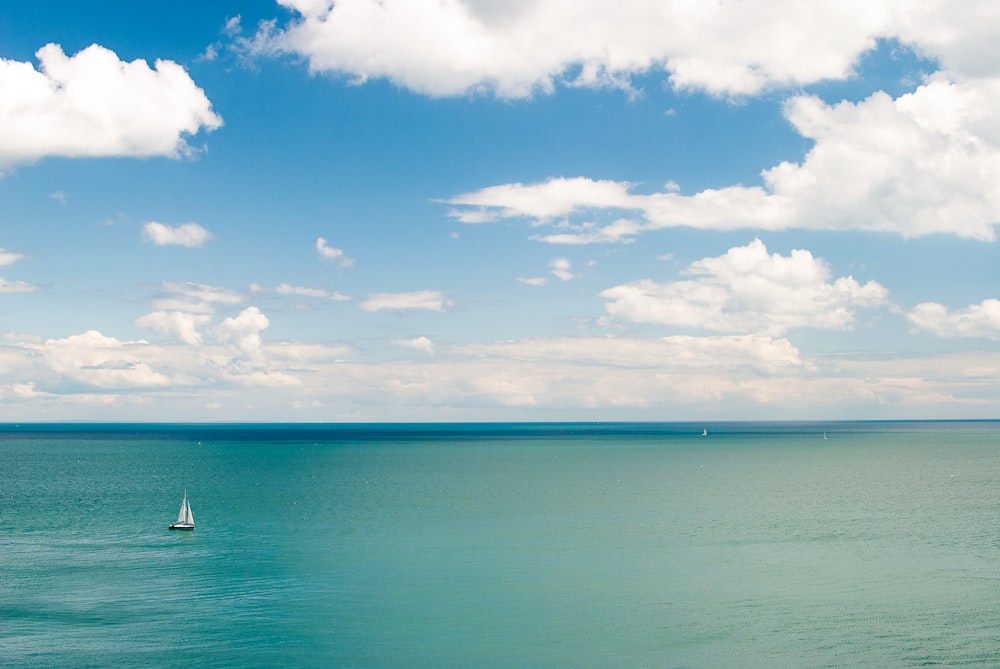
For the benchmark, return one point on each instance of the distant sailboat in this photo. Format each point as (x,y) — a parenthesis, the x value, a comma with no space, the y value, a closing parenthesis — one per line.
(185,519)
(704,432)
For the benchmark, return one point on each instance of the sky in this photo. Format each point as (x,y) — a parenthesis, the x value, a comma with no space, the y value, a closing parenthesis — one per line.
(475,210)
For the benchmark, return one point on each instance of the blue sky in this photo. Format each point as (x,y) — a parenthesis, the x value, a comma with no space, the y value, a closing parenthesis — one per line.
(474,210)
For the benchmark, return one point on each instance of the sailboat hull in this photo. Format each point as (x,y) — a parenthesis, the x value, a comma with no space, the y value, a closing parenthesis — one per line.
(180,526)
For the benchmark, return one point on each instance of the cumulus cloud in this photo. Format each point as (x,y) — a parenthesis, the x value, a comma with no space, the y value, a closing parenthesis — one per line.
(533,281)
(184,326)
(430,300)
(748,290)
(99,361)
(976,320)
(454,47)
(333,254)
(243,330)
(422,344)
(93,104)
(189,235)
(925,162)
(518,49)
(93,367)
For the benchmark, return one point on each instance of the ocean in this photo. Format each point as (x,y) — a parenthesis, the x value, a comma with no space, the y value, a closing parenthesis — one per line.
(501,545)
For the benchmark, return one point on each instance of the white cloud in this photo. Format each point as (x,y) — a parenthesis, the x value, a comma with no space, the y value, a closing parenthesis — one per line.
(331,253)
(454,47)
(561,269)
(243,330)
(7,286)
(25,391)
(232,27)
(976,320)
(92,104)
(189,235)
(555,198)
(517,49)
(621,231)
(9,257)
(962,36)
(671,378)
(16,286)
(563,197)
(430,300)
(923,163)
(99,361)
(184,326)
(194,297)
(302,291)
(422,344)
(676,352)
(747,290)
(926,162)
(533,281)
(596,373)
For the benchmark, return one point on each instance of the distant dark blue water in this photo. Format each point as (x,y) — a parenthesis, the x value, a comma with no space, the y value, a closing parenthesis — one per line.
(501,545)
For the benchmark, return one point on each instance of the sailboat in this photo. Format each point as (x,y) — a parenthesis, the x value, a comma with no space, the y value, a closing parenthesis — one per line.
(185,519)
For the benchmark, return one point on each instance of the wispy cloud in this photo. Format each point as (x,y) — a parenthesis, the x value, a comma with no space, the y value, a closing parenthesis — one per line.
(561,269)
(194,297)
(429,300)
(302,291)
(189,235)
(7,286)
(9,257)
(16,286)
(333,254)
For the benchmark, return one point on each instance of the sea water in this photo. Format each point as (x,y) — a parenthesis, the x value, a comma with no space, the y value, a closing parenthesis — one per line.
(516,545)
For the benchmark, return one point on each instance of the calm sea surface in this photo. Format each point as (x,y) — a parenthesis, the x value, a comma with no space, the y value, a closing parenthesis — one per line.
(520,545)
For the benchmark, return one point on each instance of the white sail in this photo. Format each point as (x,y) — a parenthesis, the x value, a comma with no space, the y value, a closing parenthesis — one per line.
(185,519)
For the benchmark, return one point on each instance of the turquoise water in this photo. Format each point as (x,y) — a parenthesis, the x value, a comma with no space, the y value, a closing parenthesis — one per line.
(621,545)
